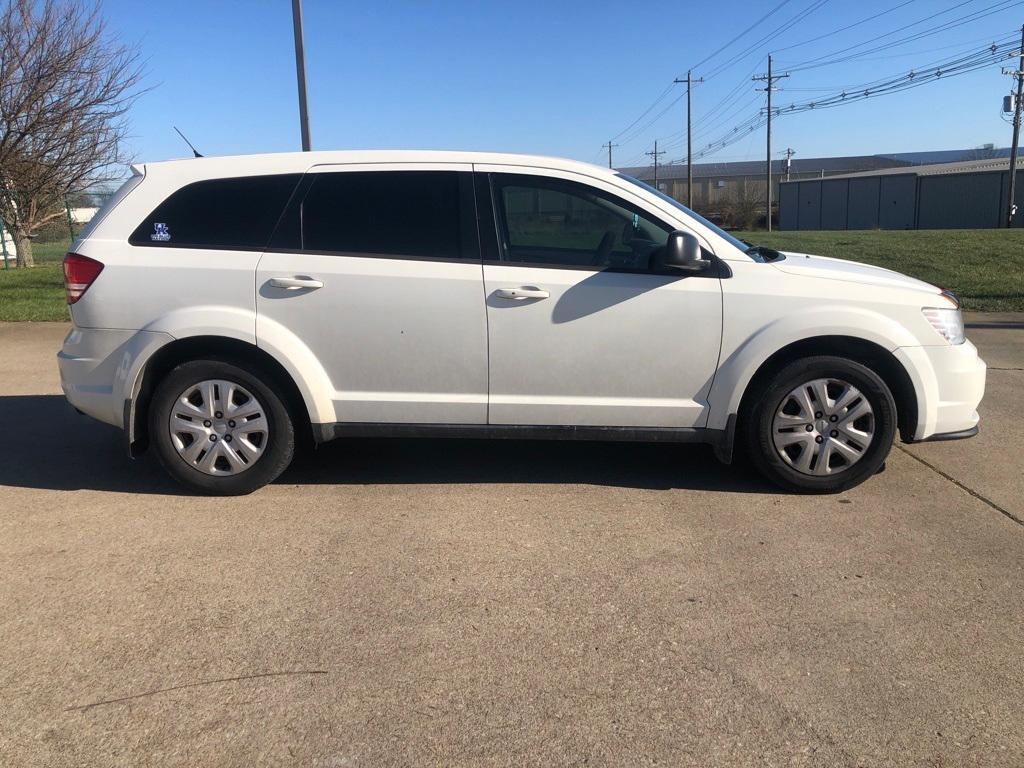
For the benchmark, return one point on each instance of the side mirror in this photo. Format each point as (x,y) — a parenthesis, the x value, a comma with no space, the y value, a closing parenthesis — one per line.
(683,252)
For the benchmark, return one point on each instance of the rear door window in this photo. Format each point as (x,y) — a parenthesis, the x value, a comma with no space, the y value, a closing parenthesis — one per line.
(235,213)
(397,214)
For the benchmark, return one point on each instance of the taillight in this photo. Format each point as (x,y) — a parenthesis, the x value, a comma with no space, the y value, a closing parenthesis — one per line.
(79,273)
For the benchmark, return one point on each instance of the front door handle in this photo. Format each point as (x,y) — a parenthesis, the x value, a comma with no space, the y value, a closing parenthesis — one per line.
(523,292)
(296,283)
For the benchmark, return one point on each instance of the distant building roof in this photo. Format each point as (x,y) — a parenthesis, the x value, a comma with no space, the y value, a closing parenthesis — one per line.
(938,169)
(935,157)
(830,165)
(889,163)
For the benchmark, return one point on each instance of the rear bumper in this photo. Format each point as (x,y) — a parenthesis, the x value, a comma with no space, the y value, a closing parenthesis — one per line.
(99,368)
(949,382)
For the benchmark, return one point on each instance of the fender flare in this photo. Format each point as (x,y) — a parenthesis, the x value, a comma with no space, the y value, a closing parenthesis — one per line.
(736,371)
(297,360)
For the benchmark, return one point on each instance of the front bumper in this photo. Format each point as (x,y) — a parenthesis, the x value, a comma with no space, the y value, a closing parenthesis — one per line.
(100,367)
(939,437)
(949,382)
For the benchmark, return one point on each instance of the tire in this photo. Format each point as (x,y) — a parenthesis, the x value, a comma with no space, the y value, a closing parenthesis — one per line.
(207,450)
(845,444)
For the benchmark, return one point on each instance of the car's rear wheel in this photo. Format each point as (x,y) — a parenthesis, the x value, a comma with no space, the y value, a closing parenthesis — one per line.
(821,425)
(219,428)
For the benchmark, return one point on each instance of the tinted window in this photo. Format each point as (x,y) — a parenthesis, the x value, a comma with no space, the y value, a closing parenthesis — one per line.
(219,213)
(562,223)
(396,213)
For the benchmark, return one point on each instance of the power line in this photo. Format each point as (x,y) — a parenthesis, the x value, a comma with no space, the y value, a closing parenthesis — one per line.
(963,54)
(643,114)
(733,94)
(827,60)
(635,129)
(886,34)
(757,44)
(636,133)
(772,12)
(913,79)
(843,29)
(734,101)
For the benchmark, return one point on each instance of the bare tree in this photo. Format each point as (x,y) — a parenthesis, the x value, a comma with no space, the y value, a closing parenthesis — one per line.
(744,205)
(65,88)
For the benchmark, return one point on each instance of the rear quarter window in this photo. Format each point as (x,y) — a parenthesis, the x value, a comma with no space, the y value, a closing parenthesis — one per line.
(112,202)
(236,213)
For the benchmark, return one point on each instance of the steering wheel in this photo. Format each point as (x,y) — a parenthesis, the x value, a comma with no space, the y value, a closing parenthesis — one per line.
(604,250)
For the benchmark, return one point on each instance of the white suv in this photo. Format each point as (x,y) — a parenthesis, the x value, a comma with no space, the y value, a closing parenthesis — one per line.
(225,308)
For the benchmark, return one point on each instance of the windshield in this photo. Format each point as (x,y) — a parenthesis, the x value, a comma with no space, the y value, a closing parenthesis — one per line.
(682,208)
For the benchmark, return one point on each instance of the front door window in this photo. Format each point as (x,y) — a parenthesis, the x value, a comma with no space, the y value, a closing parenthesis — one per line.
(557,223)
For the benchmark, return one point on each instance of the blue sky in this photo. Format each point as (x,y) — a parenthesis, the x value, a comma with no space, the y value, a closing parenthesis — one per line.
(557,77)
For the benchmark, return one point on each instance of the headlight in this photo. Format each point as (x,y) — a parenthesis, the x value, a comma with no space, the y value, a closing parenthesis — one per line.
(948,322)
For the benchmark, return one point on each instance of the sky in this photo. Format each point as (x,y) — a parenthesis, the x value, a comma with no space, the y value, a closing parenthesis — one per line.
(558,77)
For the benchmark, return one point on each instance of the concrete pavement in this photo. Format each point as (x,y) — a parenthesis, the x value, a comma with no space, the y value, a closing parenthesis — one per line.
(506,603)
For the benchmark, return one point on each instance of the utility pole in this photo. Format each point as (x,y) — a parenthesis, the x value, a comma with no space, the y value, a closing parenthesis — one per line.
(300,73)
(789,161)
(769,79)
(1019,75)
(689,134)
(609,145)
(655,154)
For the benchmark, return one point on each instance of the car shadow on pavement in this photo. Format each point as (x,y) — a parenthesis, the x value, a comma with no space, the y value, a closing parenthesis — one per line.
(655,466)
(62,450)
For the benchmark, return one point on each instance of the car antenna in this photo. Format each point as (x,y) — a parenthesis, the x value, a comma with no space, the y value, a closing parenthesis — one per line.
(194,151)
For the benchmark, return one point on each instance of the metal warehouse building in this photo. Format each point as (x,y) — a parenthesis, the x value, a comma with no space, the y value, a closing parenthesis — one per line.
(716,183)
(967,195)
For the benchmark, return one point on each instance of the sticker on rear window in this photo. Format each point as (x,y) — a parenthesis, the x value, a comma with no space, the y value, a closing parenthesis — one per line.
(161,233)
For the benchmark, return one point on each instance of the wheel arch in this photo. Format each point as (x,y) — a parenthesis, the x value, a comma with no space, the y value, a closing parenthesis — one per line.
(860,350)
(210,347)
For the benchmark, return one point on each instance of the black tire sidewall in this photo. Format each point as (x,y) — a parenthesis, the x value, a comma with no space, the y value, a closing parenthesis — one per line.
(761,447)
(281,442)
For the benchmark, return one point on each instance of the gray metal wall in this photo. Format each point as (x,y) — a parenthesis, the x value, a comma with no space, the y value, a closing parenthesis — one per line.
(897,202)
(862,205)
(834,198)
(964,201)
(901,201)
(810,206)
(788,205)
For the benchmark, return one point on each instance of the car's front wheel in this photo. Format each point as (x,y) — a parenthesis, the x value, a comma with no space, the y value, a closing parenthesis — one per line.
(219,428)
(821,425)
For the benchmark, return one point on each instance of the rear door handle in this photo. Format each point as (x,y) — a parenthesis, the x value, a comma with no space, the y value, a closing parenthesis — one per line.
(295,283)
(523,292)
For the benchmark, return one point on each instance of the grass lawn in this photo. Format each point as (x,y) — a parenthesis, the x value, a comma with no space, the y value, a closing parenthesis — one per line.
(33,294)
(37,293)
(984,267)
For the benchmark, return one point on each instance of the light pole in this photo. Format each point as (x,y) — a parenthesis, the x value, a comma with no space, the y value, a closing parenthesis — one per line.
(300,73)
